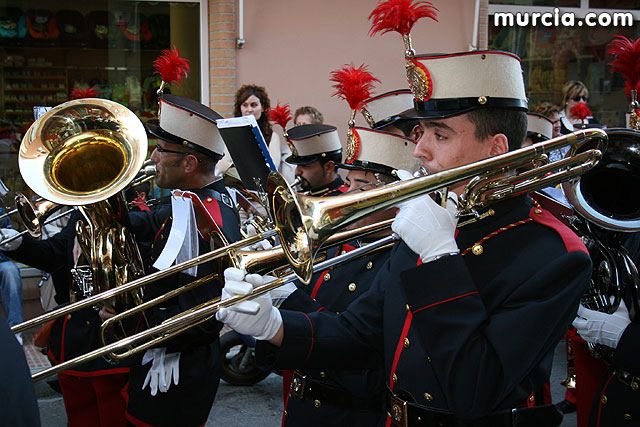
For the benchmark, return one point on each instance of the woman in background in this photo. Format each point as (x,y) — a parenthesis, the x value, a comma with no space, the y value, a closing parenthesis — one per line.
(253,99)
(573,92)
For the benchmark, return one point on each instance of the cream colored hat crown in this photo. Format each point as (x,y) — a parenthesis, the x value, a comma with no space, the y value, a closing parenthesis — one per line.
(453,84)
(188,123)
(539,127)
(385,109)
(312,142)
(380,151)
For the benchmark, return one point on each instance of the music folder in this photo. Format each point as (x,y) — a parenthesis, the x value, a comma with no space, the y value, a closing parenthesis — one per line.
(248,150)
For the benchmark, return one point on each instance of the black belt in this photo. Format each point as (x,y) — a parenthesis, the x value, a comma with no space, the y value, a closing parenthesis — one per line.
(408,414)
(305,387)
(627,378)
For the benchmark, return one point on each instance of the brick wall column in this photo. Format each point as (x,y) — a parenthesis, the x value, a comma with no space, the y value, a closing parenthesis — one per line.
(222,55)
(483,25)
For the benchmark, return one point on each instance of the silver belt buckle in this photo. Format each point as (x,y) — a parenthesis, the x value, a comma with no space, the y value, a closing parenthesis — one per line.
(297,384)
(398,413)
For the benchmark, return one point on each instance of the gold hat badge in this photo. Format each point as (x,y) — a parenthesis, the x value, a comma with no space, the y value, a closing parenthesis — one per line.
(400,16)
(354,85)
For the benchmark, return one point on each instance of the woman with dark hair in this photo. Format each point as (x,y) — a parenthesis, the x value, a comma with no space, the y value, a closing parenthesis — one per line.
(253,99)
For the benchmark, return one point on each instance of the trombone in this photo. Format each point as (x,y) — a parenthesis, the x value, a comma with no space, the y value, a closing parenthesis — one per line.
(304,222)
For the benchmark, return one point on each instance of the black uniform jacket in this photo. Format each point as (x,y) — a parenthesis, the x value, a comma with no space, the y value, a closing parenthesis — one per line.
(616,401)
(468,333)
(189,402)
(359,396)
(77,333)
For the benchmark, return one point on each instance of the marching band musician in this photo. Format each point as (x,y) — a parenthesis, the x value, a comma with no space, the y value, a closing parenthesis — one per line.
(91,391)
(315,151)
(467,311)
(176,384)
(347,397)
(384,112)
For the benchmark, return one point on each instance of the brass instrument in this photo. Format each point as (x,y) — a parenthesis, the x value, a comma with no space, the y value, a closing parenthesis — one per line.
(83,153)
(320,219)
(606,212)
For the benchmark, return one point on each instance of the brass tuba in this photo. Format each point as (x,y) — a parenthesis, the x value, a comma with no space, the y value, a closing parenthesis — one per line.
(84,153)
(607,209)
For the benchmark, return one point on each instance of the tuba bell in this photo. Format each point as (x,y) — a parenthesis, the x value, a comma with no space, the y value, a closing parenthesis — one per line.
(84,153)
(606,212)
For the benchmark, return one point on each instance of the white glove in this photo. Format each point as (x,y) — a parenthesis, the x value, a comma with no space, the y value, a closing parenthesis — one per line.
(602,328)
(279,294)
(6,233)
(163,369)
(427,228)
(257,317)
(259,246)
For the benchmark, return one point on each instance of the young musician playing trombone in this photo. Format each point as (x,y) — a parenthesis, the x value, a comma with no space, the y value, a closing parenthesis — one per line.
(175,384)
(467,311)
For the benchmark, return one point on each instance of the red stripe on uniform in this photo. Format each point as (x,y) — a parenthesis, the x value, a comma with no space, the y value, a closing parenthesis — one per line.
(571,241)
(399,347)
(600,400)
(446,300)
(311,347)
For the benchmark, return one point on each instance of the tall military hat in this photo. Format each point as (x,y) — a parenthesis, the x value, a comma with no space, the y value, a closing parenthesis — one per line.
(445,85)
(386,109)
(539,127)
(369,149)
(190,124)
(312,142)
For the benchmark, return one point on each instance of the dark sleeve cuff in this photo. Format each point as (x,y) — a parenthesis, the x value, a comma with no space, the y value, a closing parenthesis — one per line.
(296,345)
(300,301)
(626,354)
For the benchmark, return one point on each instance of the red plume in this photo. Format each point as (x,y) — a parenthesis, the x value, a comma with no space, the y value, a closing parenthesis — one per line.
(90,92)
(354,85)
(626,61)
(399,16)
(280,114)
(170,66)
(581,111)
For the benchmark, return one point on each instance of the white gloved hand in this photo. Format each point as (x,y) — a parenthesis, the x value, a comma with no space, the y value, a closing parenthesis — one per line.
(259,246)
(257,317)
(427,228)
(602,328)
(6,233)
(281,293)
(163,369)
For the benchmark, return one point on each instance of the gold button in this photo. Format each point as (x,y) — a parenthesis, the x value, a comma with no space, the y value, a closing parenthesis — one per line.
(491,212)
(538,211)
(327,277)
(209,200)
(634,386)
(394,378)
(482,100)
(343,252)
(627,417)
(407,343)
(68,316)
(477,249)
(352,286)
(317,403)
(88,323)
(531,398)
(428,397)
(369,265)
(429,359)
(285,413)
(407,307)
(323,375)
(603,399)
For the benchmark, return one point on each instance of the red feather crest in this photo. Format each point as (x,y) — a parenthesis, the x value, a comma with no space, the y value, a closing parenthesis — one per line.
(171,67)
(90,92)
(399,16)
(354,85)
(626,61)
(280,114)
(581,111)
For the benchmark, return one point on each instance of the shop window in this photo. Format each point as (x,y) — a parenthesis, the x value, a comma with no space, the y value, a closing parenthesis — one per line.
(49,48)
(552,55)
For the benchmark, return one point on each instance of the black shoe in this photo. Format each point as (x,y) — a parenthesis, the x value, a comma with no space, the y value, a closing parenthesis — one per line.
(566,407)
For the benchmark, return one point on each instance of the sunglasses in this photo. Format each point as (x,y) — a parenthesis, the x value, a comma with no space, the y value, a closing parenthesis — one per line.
(584,98)
(164,150)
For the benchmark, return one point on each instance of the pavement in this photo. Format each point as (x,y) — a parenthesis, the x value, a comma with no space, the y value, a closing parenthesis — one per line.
(236,406)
